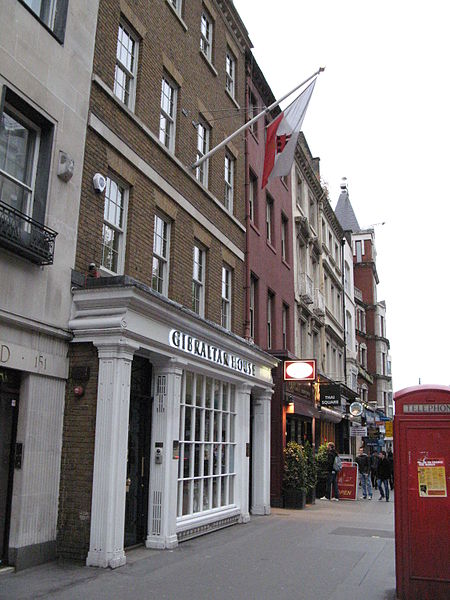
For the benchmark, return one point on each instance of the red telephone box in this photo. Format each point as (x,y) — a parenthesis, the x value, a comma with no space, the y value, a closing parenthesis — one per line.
(422,488)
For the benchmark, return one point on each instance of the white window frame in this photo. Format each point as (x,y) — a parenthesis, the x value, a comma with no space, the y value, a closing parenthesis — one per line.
(206,34)
(269,219)
(198,280)
(284,233)
(252,196)
(270,298)
(117,227)
(230,73)
(207,453)
(226,298)
(46,11)
(177,6)
(252,306)
(168,113)
(203,141)
(252,112)
(229,170)
(128,94)
(284,325)
(26,186)
(160,282)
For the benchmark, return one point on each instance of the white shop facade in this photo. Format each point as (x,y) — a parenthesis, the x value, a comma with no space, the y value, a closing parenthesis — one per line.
(182,432)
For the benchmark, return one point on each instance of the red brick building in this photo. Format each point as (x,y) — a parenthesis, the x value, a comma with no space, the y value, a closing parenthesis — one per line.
(270,277)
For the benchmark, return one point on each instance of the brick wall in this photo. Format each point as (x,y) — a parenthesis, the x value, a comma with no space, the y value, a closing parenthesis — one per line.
(77,460)
(166,47)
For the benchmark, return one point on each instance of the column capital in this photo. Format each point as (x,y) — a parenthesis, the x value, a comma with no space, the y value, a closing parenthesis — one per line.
(262,395)
(116,348)
(167,365)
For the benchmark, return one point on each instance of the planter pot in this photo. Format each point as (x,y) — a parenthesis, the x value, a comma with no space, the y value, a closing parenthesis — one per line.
(311,496)
(294,499)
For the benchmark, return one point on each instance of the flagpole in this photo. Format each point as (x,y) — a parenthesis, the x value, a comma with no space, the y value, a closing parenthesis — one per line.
(247,125)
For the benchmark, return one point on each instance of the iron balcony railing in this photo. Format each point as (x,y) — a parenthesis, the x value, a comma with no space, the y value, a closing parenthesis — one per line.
(24,236)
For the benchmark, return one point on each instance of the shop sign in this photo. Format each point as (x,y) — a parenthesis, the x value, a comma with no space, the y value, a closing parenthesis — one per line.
(330,395)
(426,408)
(23,358)
(300,370)
(389,427)
(191,345)
(358,431)
(348,481)
(356,409)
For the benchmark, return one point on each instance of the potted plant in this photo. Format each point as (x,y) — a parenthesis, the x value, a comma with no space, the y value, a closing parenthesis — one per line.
(294,483)
(322,472)
(310,474)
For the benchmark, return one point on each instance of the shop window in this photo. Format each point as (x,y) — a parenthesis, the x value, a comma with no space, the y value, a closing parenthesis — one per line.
(206,472)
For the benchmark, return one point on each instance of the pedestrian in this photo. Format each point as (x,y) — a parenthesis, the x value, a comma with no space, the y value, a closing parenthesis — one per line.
(332,473)
(390,458)
(373,468)
(363,462)
(383,476)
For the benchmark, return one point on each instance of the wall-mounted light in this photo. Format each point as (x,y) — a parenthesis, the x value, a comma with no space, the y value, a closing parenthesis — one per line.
(78,391)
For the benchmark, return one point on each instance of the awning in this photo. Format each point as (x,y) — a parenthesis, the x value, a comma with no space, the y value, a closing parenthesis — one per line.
(334,416)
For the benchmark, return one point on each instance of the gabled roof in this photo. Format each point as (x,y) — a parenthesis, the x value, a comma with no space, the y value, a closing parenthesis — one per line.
(345,213)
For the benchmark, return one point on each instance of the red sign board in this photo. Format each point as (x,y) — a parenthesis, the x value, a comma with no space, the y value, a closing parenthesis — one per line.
(348,481)
(300,370)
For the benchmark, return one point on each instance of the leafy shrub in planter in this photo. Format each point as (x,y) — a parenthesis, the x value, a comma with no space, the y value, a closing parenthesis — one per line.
(322,472)
(310,472)
(294,477)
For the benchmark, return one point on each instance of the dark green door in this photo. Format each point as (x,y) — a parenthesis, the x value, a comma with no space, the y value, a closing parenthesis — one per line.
(9,407)
(139,430)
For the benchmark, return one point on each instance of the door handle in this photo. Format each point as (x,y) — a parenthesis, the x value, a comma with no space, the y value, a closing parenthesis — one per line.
(127,485)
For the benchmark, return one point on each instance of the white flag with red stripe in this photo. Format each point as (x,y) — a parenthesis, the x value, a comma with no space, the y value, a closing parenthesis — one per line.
(282,135)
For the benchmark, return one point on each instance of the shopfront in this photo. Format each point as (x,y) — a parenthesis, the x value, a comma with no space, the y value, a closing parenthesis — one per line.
(174,399)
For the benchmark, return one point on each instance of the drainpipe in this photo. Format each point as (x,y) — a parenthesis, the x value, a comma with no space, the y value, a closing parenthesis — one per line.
(247,216)
(343,307)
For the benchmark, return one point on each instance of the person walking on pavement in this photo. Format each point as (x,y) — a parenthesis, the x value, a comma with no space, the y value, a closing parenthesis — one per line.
(383,475)
(363,462)
(390,458)
(332,473)
(373,469)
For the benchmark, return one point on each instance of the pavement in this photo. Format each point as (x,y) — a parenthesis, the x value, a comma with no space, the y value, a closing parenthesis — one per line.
(328,551)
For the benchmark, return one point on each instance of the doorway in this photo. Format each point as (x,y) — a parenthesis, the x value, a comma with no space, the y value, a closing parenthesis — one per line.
(9,409)
(138,461)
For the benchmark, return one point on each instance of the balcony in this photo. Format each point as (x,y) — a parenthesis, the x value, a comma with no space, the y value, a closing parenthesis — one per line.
(319,303)
(24,236)
(306,288)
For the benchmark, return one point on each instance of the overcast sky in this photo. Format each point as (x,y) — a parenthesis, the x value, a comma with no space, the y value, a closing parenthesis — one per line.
(379,116)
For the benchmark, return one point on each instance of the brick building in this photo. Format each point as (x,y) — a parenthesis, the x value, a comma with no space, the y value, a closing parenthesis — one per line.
(157,428)
(270,278)
(46,51)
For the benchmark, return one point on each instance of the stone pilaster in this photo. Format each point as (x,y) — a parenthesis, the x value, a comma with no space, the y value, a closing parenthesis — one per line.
(110,458)
(242,460)
(261,453)
(162,514)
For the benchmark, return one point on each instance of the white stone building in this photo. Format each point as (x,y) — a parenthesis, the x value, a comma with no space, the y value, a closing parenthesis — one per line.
(46,51)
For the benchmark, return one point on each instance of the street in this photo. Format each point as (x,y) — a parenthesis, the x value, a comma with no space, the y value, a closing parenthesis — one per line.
(328,551)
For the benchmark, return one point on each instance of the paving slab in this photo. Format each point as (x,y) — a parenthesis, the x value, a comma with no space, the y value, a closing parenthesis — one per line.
(328,551)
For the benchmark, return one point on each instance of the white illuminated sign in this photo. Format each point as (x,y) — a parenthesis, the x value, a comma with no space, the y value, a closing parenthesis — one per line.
(191,345)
